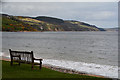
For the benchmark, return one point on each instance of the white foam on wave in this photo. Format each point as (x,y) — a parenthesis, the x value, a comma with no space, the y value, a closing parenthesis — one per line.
(89,68)
(1,54)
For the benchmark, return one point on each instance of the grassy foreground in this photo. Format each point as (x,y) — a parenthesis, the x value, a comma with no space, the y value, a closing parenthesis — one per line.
(24,71)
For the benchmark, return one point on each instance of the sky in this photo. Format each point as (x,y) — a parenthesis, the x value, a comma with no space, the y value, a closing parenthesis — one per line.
(101,14)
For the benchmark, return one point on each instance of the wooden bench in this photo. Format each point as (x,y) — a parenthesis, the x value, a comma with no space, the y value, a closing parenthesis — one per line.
(24,57)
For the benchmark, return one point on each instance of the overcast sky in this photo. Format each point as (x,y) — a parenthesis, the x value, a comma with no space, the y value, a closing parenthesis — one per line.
(101,14)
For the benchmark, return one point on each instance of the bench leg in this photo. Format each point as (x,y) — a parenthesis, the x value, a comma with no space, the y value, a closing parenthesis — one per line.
(32,65)
(19,60)
(11,63)
(19,63)
(40,65)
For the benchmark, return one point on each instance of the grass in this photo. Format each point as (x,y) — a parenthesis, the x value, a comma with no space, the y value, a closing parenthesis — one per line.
(24,71)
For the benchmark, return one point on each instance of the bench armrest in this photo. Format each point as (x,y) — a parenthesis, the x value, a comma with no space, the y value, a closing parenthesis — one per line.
(37,59)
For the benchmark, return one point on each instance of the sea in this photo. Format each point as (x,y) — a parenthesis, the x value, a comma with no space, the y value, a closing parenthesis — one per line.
(89,52)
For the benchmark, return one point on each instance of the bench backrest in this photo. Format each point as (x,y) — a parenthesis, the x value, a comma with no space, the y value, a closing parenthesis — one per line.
(24,55)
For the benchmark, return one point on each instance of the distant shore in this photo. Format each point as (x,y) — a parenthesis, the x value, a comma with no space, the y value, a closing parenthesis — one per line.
(62,31)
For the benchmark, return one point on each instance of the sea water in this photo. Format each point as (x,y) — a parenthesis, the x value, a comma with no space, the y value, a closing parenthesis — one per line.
(90,52)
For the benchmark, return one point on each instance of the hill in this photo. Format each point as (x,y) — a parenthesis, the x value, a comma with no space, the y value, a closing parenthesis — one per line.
(44,23)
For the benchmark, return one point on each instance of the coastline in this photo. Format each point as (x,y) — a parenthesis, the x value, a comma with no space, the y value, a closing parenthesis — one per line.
(60,69)
(70,71)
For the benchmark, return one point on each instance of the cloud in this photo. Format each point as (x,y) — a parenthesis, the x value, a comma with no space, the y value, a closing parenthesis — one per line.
(101,15)
(30,9)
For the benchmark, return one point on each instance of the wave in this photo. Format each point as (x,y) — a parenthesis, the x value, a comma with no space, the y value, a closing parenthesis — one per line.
(89,68)
(1,54)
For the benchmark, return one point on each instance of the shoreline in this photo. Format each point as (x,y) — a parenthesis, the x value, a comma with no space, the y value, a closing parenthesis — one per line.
(70,71)
(60,69)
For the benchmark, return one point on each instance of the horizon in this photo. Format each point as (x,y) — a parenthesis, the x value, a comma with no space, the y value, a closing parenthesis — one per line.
(102,15)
